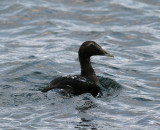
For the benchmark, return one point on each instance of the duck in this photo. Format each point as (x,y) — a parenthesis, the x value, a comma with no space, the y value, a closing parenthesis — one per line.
(87,81)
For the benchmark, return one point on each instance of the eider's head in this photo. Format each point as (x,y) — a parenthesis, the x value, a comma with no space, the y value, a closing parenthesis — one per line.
(91,48)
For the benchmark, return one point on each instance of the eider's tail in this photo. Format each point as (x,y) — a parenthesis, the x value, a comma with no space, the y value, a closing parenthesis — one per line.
(46,89)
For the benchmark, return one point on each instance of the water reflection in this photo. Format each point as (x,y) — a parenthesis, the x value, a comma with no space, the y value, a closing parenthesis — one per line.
(87,121)
(109,86)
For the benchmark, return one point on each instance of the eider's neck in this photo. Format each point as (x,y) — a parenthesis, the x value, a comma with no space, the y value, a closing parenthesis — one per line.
(86,69)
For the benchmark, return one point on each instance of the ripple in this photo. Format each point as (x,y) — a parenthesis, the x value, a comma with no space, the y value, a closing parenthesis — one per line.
(39,41)
(142,99)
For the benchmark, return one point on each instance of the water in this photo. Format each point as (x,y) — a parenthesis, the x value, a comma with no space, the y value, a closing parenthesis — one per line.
(39,41)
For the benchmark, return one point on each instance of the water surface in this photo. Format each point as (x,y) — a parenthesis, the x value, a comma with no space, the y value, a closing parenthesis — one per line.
(39,41)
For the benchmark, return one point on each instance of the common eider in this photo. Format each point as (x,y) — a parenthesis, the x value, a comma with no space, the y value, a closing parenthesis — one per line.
(87,81)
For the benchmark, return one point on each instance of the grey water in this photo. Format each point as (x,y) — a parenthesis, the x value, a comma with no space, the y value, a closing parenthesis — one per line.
(39,41)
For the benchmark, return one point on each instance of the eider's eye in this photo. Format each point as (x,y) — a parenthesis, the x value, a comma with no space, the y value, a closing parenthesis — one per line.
(91,45)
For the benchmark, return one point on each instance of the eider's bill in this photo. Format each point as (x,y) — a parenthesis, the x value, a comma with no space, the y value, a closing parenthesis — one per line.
(108,54)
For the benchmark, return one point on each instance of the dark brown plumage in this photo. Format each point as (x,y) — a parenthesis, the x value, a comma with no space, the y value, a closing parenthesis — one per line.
(87,82)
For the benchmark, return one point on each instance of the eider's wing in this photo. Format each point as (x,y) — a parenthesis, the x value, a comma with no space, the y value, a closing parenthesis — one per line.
(55,84)
(75,83)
